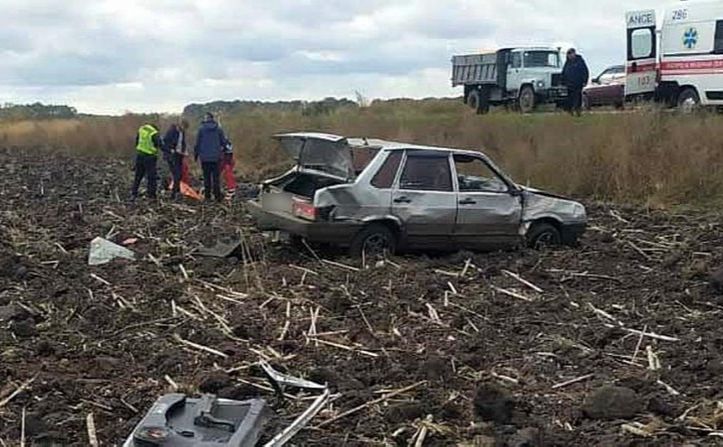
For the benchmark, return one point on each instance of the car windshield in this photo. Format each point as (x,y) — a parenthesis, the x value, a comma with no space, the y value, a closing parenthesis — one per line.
(535,59)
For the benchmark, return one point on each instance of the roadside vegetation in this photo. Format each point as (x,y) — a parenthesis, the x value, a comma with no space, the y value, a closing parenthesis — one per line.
(650,158)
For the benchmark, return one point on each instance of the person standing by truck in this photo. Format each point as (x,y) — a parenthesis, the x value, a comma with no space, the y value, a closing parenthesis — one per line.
(209,151)
(575,75)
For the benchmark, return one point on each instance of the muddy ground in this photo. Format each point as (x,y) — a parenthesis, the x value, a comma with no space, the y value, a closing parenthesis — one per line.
(489,359)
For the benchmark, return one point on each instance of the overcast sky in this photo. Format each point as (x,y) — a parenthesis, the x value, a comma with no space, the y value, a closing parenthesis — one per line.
(111,56)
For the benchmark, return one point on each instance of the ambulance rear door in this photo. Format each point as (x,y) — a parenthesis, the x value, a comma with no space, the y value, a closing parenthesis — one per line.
(642,61)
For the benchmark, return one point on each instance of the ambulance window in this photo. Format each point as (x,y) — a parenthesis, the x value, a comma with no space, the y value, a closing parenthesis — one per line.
(719,37)
(642,43)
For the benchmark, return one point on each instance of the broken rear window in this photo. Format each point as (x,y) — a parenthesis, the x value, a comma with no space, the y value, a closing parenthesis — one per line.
(427,172)
(384,178)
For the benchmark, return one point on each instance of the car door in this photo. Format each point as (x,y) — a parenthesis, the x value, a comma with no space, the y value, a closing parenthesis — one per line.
(424,199)
(489,209)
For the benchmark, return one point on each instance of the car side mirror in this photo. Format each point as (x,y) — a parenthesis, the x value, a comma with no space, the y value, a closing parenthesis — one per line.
(596,80)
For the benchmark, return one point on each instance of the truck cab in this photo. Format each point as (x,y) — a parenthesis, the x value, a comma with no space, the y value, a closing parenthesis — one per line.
(534,76)
(680,64)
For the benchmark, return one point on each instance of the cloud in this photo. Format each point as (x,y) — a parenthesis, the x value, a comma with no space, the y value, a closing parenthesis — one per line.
(115,55)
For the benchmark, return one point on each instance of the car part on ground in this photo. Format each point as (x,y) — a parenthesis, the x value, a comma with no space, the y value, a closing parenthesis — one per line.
(222,249)
(405,196)
(103,251)
(178,421)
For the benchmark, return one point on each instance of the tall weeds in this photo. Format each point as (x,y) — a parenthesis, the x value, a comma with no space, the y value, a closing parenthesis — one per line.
(654,158)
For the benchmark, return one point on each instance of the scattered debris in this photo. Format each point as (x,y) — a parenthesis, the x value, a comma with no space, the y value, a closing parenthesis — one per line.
(176,418)
(222,249)
(130,311)
(103,251)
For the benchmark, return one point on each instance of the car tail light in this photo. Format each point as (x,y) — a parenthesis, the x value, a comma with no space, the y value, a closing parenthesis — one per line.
(152,436)
(305,210)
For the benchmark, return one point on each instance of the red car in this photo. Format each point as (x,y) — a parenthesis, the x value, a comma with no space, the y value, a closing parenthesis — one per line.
(608,89)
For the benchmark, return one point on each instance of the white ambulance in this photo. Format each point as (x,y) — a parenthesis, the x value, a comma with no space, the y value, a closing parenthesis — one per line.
(682,63)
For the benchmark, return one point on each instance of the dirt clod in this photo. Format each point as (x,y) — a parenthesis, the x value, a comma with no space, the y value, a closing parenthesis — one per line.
(13,312)
(408,411)
(612,402)
(492,403)
(214,382)
(716,280)
(435,368)
(35,426)
(24,328)
(526,437)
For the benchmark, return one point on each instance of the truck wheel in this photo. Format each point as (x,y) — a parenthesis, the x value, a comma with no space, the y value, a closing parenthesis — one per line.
(476,102)
(527,99)
(543,234)
(373,241)
(688,100)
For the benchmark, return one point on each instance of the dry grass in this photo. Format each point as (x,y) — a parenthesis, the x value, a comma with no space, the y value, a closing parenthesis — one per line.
(659,159)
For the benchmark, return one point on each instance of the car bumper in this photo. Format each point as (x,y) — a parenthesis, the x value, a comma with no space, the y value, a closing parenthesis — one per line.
(338,233)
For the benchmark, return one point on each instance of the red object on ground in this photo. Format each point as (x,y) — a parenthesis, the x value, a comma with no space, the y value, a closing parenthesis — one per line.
(227,166)
(190,192)
(185,172)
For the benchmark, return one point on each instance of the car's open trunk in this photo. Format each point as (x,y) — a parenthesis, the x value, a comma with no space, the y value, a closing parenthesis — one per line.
(321,161)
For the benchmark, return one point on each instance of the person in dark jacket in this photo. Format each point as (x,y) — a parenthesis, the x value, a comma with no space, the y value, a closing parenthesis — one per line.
(209,151)
(148,143)
(575,75)
(175,149)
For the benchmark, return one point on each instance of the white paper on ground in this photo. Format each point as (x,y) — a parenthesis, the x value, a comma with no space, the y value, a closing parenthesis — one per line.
(102,251)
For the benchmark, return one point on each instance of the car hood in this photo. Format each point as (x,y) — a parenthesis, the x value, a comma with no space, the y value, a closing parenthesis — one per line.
(543,193)
(542,204)
(330,154)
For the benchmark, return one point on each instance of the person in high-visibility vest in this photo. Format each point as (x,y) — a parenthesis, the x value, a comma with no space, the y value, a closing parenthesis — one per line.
(148,143)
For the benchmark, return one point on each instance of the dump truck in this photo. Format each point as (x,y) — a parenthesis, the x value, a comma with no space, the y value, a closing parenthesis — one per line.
(522,78)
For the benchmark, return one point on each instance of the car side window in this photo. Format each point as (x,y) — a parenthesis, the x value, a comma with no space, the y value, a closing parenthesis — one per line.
(425,172)
(384,178)
(474,175)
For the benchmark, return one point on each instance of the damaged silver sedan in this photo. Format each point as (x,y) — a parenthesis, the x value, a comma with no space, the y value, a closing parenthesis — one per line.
(374,196)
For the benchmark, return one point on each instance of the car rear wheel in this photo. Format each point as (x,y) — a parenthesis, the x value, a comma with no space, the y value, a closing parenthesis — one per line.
(543,234)
(375,240)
